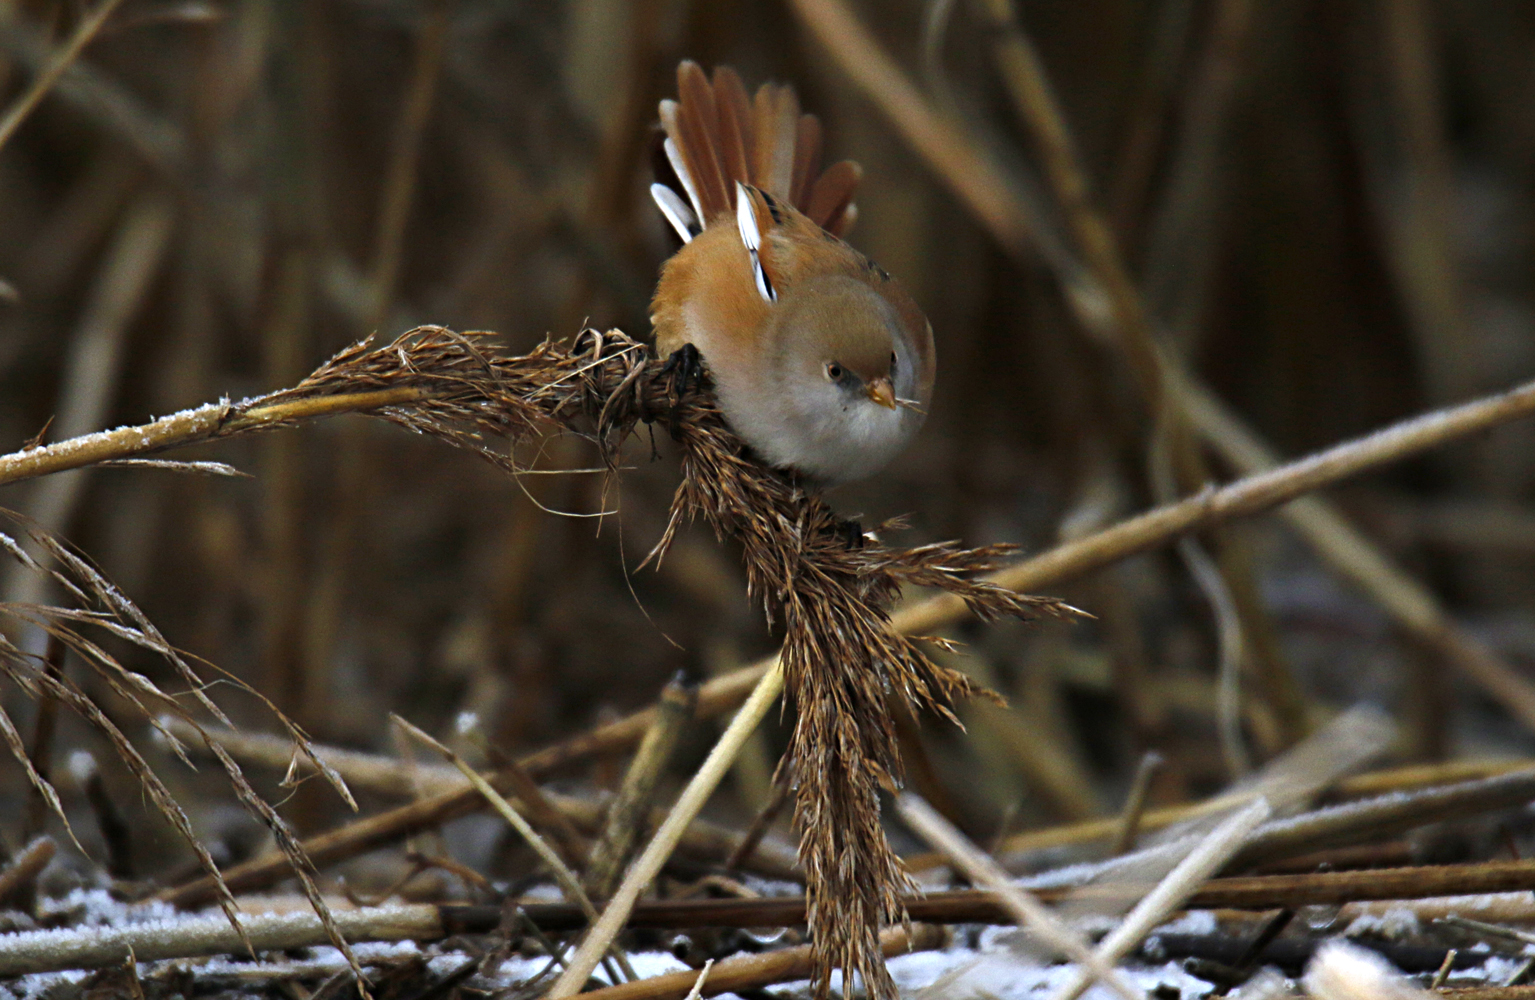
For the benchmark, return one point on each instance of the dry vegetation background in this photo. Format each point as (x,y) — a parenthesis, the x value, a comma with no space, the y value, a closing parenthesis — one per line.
(1327,205)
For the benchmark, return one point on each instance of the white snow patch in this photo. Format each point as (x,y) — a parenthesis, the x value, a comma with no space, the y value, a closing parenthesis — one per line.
(97,908)
(1395,924)
(1192,922)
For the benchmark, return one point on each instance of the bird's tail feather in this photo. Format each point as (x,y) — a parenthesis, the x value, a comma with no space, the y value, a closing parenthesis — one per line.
(717,136)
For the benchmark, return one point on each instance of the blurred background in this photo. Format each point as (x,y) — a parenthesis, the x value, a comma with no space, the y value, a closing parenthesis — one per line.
(1326,204)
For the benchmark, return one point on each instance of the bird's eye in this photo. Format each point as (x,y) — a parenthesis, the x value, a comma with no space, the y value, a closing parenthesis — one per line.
(892,361)
(834,371)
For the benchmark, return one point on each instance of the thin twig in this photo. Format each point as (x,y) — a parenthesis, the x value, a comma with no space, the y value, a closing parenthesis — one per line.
(1443,973)
(626,818)
(101,98)
(698,984)
(26,866)
(1374,783)
(61,61)
(1135,803)
(400,180)
(764,819)
(568,882)
(573,847)
(1483,927)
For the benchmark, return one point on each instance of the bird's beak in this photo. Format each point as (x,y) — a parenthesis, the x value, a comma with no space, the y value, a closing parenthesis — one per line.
(882,393)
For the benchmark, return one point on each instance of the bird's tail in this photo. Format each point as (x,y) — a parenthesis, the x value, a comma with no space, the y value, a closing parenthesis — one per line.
(717,136)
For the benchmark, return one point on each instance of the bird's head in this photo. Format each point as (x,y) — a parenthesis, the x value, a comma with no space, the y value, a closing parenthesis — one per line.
(840,342)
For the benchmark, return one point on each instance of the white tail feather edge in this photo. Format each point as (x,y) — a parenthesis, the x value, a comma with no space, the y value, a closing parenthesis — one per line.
(676,211)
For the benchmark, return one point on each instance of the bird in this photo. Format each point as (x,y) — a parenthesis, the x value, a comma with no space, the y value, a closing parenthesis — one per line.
(820,361)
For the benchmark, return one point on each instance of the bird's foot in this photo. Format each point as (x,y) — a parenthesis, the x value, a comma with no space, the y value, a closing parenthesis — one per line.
(685,368)
(851,532)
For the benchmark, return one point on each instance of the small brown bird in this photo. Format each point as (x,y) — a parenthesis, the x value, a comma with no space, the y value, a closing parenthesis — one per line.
(820,361)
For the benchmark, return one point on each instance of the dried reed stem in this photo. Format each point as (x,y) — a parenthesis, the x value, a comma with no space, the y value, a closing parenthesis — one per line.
(1242,498)
(1129,824)
(100,947)
(1385,815)
(1091,831)
(563,876)
(205,423)
(1359,560)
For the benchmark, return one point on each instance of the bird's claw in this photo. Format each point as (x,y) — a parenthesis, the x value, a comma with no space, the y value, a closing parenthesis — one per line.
(685,368)
(851,532)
